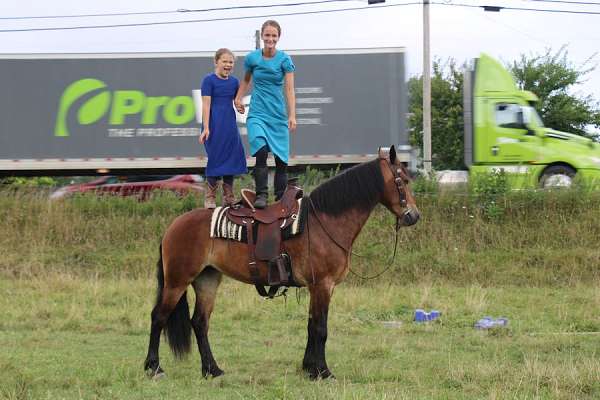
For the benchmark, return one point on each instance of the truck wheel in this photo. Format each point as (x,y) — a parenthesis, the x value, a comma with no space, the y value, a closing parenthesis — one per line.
(557,176)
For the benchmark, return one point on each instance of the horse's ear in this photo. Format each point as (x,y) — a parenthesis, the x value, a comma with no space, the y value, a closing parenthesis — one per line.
(393,154)
(383,153)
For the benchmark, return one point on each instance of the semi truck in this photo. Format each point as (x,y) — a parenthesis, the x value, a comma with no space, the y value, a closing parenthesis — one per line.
(502,131)
(90,114)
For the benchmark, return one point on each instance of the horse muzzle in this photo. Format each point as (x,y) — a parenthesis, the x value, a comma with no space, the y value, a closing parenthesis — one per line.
(410,217)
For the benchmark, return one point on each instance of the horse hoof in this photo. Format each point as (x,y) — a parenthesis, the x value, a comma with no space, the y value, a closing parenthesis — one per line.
(320,374)
(214,372)
(155,374)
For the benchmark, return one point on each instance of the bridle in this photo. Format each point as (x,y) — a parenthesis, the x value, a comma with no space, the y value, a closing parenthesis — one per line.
(384,154)
(399,181)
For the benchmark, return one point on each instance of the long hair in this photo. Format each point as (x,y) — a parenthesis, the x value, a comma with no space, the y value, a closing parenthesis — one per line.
(359,187)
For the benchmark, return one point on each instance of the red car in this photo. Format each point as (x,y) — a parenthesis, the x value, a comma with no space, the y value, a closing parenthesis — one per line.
(140,186)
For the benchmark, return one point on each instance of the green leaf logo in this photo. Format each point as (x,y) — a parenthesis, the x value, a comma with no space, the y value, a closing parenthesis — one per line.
(89,112)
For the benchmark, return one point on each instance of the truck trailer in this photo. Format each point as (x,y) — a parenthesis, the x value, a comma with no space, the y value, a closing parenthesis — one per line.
(117,113)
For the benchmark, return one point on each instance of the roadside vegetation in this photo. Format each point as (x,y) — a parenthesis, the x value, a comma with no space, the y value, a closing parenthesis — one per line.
(77,278)
(482,234)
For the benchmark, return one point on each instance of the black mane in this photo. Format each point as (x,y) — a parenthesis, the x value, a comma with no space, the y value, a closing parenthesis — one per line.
(358,187)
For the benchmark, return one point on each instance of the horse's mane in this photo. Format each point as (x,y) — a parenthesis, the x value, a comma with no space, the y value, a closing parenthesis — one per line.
(358,187)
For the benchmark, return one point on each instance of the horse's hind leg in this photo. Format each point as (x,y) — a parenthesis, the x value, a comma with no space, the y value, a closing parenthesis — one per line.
(170,312)
(166,302)
(205,286)
(314,357)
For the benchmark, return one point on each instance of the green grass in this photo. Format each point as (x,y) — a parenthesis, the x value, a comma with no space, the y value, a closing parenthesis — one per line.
(77,279)
(71,337)
(543,239)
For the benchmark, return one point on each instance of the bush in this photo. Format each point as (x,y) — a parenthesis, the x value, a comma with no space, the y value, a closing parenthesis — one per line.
(488,191)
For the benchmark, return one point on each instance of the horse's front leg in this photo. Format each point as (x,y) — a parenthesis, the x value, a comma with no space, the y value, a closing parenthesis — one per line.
(314,357)
(205,285)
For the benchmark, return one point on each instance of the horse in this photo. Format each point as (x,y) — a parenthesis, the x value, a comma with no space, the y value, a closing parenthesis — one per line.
(338,209)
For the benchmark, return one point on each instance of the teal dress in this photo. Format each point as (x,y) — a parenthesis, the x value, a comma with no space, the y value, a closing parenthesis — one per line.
(267,121)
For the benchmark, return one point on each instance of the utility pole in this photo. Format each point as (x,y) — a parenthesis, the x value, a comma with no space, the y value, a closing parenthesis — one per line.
(426,90)
(257,39)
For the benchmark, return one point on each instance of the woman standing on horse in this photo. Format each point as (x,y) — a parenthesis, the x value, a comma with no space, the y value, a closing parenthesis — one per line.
(269,123)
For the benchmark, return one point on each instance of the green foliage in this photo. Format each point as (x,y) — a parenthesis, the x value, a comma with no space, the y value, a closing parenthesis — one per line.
(446,114)
(552,77)
(311,177)
(488,191)
(425,184)
(485,235)
(30,182)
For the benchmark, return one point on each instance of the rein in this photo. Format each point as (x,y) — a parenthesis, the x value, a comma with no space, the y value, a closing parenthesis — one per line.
(348,251)
(401,187)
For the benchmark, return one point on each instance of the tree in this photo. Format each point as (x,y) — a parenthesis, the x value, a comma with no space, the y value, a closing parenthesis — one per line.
(552,78)
(446,115)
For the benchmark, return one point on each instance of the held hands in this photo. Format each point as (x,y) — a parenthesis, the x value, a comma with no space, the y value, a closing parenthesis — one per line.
(292,124)
(239,106)
(204,136)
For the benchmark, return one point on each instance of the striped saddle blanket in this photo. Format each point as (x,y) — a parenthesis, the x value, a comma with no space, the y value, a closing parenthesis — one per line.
(221,227)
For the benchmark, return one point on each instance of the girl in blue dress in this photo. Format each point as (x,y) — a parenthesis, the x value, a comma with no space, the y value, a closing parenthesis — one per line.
(220,134)
(269,123)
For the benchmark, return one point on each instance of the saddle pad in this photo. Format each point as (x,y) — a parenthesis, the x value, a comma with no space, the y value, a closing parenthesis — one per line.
(223,228)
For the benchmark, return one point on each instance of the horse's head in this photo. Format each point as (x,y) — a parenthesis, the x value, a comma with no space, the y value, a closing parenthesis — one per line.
(397,196)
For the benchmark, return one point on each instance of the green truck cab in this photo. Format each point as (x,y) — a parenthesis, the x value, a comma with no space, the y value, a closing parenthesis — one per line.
(504,132)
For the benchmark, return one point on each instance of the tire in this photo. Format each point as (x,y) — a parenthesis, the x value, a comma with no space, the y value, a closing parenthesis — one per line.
(557,176)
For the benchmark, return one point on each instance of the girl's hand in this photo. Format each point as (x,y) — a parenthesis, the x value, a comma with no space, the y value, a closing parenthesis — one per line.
(204,136)
(292,124)
(239,106)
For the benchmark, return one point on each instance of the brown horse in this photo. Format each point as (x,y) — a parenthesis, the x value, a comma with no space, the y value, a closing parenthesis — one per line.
(338,209)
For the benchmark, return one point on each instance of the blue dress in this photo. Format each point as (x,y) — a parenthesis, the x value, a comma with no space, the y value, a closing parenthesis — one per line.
(224,145)
(267,121)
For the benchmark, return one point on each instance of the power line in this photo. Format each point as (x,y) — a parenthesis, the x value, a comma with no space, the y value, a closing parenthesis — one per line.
(498,8)
(178,11)
(204,20)
(587,3)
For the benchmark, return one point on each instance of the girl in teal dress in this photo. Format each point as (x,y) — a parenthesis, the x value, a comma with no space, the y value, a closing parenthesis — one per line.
(269,123)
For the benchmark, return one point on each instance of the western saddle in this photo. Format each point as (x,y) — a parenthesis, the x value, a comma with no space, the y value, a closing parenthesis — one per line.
(265,244)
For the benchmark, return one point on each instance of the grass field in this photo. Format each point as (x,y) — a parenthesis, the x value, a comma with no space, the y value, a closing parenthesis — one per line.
(69,337)
(77,280)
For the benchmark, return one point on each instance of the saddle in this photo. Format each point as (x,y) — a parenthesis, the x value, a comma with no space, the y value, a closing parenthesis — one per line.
(264,227)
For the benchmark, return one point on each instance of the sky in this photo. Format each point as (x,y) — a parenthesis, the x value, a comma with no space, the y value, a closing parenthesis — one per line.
(457,32)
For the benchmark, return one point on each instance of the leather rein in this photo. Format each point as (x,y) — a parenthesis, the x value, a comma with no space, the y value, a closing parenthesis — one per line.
(401,187)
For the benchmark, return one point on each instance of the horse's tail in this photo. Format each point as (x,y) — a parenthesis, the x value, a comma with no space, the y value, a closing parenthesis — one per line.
(178,329)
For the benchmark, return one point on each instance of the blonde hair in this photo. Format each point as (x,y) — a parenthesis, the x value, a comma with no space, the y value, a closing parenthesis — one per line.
(272,23)
(222,51)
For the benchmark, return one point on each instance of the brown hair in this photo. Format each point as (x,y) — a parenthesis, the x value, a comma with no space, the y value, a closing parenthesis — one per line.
(272,23)
(222,51)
